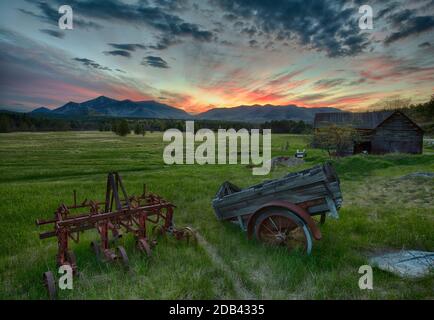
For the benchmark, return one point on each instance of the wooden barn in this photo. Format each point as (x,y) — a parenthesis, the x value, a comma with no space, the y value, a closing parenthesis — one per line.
(381,132)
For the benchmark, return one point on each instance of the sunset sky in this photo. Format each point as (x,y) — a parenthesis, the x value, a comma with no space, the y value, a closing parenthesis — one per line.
(204,54)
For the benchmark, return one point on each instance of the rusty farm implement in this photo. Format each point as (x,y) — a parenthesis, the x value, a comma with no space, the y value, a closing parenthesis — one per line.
(117,214)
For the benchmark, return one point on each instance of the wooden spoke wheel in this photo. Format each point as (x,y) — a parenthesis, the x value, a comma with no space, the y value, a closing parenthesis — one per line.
(50,285)
(281,227)
(123,257)
(144,246)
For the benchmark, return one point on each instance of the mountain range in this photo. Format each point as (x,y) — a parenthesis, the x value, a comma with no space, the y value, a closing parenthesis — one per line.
(259,113)
(107,107)
(103,106)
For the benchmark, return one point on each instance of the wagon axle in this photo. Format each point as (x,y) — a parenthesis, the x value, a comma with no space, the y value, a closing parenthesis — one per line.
(111,217)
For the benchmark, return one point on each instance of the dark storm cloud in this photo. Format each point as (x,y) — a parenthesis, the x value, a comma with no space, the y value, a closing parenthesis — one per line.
(53,33)
(155,62)
(127,46)
(406,22)
(173,5)
(164,42)
(253,43)
(92,64)
(50,14)
(386,11)
(230,17)
(142,13)
(411,26)
(250,31)
(329,26)
(121,53)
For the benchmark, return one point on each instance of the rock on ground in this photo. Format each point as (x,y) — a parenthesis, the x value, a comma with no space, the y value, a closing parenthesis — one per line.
(406,263)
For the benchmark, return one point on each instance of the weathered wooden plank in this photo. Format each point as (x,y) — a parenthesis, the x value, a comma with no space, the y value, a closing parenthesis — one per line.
(319,182)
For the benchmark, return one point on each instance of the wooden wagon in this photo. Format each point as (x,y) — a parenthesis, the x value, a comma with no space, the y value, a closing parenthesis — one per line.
(279,212)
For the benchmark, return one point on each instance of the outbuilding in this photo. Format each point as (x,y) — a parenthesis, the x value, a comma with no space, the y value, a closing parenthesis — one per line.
(381,132)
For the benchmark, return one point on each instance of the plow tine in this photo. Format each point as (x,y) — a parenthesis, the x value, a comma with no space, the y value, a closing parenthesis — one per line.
(119,180)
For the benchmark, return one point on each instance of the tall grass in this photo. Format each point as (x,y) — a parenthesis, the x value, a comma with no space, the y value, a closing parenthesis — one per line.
(381,212)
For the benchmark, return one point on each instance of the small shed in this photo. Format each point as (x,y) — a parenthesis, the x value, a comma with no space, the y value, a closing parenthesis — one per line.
(381,132)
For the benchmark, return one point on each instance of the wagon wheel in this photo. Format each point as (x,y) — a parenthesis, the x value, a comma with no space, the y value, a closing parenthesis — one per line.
(281,227)
(50,285)
(122,254)
(189,234)
(96,249)
(143,246)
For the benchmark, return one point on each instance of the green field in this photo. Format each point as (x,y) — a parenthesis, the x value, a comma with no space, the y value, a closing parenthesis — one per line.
(381,212)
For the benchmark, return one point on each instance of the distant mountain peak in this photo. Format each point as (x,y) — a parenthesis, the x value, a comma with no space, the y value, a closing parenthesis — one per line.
(103,98)
(103,106)
(41,110)
(263,113)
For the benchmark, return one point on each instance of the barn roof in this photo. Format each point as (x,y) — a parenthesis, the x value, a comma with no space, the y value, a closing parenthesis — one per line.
(359,120)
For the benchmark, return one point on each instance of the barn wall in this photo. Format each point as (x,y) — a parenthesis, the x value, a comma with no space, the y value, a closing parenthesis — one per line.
(397,134)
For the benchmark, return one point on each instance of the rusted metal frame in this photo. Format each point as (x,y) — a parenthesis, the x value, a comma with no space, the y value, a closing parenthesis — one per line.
(76,239)
(158,214)
(89,224)
(102,227)
(107,195)
(141,231)
(41,222)
(50,234)
(119,183)
(73,221)
(128,227)
(168,223)
(84,204)
(62,246)
(115,193)
(157,219)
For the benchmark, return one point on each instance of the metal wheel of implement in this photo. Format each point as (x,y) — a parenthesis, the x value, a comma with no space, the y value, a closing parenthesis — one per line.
(123,257)
(143,246)
(281,227)
(50,285)
(96,249)
(189,234)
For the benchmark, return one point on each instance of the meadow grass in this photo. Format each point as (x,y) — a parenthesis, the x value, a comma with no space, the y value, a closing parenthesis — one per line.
(381,211)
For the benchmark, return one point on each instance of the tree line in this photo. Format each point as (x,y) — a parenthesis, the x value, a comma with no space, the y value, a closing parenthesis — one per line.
(123,127)
(13,122)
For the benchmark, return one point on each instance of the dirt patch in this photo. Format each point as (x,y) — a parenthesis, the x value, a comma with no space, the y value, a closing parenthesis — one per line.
(419,175)
(415,190)
(286,161)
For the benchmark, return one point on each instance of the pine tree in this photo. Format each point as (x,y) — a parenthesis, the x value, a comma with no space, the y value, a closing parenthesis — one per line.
(122,129)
